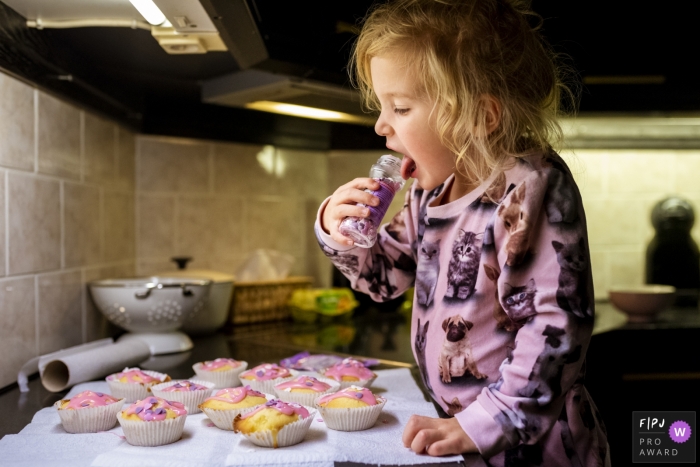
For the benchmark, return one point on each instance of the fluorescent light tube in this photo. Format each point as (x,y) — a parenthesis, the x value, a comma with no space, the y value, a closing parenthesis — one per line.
(309,112)
(149,11)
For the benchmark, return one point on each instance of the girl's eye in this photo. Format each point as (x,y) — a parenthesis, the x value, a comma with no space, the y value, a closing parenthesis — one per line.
(400,111)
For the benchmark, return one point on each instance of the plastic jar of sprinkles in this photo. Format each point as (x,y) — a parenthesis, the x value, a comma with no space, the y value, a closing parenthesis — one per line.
(363,230)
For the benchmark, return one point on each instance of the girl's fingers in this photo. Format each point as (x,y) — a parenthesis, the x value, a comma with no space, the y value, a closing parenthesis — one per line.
(442,447)
(415,424)
(424,439)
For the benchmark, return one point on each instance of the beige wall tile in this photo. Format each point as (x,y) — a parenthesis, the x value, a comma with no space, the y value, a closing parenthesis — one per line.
(276,225)
(60,310)
(17,124)
(305,173)
(175,166)
(615,221)
(3,253)
(599,266)
(99,160)
(626,268)
(153,266)
(81,220)
(34,224)
(238,171)
(118,228)
(18,330)
(687,172)
(640,171)
(209,227)
(96,325)
(156,226)
(59,138)
(126,158)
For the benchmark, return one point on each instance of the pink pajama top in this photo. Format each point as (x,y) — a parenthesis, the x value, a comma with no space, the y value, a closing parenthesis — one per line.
(502,310)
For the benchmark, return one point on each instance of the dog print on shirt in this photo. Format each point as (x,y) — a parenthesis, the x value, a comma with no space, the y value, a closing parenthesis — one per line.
(456,357)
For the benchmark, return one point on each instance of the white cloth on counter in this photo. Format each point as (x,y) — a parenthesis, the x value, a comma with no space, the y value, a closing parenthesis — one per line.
(44,442)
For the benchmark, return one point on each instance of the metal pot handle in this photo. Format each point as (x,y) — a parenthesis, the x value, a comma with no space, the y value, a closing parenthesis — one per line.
(145,294)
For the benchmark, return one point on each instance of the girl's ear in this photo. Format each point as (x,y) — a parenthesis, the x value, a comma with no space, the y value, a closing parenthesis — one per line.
(490,113)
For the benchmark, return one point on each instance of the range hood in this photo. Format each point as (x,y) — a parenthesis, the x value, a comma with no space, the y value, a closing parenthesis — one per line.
(269,92)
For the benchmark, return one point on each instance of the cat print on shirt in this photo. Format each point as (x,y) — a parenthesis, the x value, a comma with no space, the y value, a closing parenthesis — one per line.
(397,227)
(419,345)
(375,273)
(572,293)
(423,209)
(453,407)
(516,421)
(545,378)
(519,302)
(493,195)
(506,361)
(427,272)
(560,200)
(503,321)
(347,264)
(464,265)
(517,223)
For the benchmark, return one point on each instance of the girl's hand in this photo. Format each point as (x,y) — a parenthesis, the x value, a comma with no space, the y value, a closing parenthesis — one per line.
(344,203)
(436,436)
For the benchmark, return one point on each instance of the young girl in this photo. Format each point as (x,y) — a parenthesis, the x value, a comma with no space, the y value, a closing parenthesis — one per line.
(492,234)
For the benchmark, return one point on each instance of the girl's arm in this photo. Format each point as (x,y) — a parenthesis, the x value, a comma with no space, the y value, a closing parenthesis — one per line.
(384,271)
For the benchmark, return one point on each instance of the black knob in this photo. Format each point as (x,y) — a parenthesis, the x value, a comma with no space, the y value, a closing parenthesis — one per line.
(181,261)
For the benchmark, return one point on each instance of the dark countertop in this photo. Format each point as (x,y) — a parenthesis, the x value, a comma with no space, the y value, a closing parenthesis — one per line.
(382,334)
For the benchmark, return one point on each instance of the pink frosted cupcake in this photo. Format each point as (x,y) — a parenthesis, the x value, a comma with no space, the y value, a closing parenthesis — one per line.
(264,377)
(153,421)
(191,393)
(350,372)
(227,403)
(351,409)
(134,384)
(305,389)
(223,372)
(275,424)
(89,412)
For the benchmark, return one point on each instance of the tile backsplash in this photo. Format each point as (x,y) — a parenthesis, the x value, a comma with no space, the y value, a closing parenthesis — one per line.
(82,198)
(66,218)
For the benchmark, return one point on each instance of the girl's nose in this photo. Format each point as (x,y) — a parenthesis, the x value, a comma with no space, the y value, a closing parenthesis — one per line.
(382,128)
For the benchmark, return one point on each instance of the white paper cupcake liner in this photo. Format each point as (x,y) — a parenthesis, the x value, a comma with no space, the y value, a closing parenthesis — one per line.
(152,433)
(89,419)
(221,379)
(133,392)
(346,419)
(364,383)
(307,398)
(268,386)
(224,418)
(289,435)
(191,399)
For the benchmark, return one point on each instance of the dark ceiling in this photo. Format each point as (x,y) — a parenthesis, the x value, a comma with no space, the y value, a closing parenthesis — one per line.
(125,74)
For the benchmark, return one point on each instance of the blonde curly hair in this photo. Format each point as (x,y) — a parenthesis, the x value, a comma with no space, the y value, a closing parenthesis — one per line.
(461,51)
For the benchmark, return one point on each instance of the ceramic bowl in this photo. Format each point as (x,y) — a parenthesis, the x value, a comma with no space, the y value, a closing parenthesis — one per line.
(642,303)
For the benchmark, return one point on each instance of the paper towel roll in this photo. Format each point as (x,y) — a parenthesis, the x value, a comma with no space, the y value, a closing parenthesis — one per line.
(95,363)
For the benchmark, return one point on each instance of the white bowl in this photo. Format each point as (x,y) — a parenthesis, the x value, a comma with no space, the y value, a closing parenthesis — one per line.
(642,303)
(154,304)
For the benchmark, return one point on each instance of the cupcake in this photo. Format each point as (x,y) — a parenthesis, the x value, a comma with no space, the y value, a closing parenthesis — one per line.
(222,407)
(274,424)
(305,389)
(264,377)
(89,412)
(153,421)
(191,393)
(350,372)
(134,384)
(352,409)
(223,372)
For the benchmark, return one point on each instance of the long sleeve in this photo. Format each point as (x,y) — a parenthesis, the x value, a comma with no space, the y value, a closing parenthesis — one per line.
(536,251)
(385,270)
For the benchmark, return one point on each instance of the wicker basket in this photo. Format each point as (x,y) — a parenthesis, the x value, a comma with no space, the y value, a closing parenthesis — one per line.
(255,302)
